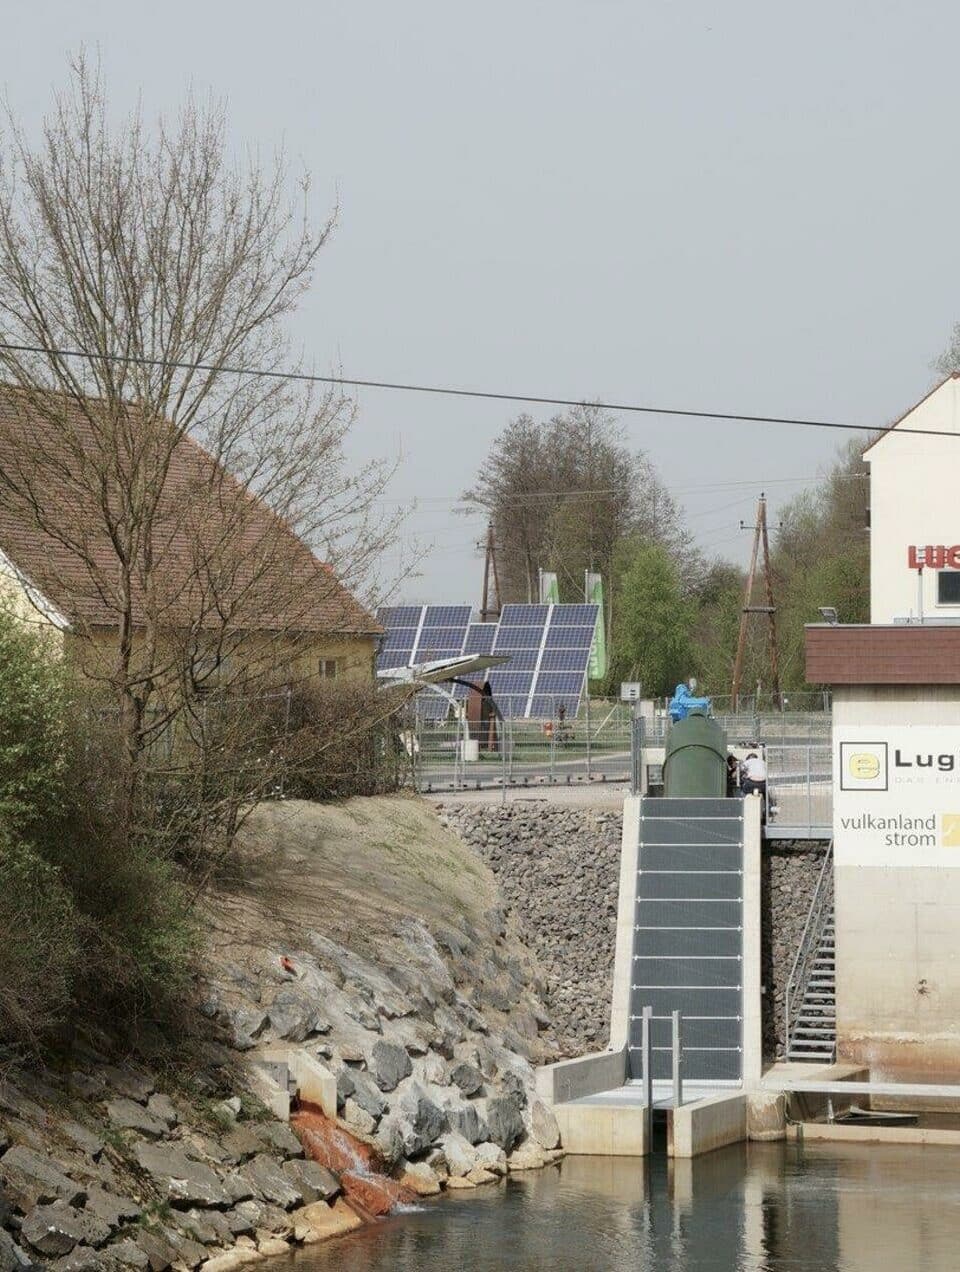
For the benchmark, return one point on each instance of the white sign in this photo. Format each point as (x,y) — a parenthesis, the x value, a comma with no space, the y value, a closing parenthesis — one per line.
(630,690)
(897,796)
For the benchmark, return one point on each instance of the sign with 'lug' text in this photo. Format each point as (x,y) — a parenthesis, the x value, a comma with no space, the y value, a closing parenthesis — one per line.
(896,796)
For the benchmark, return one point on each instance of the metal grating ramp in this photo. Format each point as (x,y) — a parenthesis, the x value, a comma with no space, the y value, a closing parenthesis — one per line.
(688,936)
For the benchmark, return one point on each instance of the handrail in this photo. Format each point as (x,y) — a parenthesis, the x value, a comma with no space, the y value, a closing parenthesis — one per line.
(809,943)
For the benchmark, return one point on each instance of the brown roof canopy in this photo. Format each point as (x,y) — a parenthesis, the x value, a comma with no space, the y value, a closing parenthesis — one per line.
(215,555)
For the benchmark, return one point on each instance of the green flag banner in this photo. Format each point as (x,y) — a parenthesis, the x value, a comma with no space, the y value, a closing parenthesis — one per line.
(549,588)
(593,595)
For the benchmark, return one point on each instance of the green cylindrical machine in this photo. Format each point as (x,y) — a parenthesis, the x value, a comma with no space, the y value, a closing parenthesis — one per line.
(695,763)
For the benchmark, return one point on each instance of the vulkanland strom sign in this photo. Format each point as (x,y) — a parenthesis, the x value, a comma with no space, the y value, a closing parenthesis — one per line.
(897,796)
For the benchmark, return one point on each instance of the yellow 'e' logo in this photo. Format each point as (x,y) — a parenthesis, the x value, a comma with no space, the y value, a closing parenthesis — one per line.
(864,766)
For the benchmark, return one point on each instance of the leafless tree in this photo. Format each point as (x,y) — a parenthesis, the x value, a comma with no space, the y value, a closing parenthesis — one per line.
(144,466)
(564,495)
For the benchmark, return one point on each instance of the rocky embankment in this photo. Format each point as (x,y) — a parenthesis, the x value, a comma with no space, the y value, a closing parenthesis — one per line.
(368,938)
(790,872)
(558,869)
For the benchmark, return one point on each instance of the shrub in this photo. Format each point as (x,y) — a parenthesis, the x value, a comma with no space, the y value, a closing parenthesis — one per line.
(93,923)
(40,945)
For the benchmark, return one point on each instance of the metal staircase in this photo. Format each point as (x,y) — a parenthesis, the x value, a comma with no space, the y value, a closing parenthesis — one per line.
(810,1006)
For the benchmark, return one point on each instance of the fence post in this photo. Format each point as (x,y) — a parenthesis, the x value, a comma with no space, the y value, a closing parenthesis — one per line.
(676,1046)
(809,788)
(646,1056)
(589,772)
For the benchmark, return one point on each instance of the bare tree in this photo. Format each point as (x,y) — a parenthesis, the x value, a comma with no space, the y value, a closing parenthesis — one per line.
(565,495)
(145,467)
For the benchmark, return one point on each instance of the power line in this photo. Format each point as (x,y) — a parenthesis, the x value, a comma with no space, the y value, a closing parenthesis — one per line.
(447,391)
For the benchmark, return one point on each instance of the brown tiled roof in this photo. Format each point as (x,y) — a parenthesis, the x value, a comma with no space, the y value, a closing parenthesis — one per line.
(901,654)
(264,576)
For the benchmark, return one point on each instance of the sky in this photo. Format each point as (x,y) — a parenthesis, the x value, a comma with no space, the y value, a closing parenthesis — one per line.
(729,205)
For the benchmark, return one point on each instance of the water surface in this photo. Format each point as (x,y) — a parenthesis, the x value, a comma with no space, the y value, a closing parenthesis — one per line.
(749,1208)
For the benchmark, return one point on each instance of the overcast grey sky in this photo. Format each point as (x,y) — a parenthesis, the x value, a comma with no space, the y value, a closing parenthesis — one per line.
(736,205)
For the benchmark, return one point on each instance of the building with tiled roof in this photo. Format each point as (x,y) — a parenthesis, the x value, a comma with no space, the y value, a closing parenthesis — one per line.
(218,560)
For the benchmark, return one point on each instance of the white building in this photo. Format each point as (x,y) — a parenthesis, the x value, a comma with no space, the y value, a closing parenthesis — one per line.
(896,760)
(915,512)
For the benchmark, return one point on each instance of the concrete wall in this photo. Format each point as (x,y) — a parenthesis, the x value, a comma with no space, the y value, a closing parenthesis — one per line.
(898,988)
(913,500)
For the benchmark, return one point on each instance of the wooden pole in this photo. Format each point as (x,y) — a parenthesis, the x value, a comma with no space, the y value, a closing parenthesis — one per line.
(485,603)
(745,614)
(772,614)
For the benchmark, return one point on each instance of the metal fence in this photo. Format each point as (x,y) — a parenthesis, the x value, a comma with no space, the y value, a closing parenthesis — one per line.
(449,756)
(610,745)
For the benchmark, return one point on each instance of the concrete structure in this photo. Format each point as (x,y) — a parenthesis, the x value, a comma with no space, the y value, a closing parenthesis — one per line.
(598,1109)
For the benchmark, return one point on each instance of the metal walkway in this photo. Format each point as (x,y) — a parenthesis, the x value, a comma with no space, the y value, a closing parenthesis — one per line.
(688,936)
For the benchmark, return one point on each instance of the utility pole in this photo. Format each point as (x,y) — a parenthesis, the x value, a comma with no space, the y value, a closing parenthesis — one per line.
(760,540)
(490,569)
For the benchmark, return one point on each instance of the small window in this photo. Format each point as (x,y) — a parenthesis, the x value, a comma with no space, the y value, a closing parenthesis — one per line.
(330,667)
(948,587)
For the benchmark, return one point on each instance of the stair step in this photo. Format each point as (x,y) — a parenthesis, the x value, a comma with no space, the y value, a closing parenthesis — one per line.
(808,1032)
(816,1021)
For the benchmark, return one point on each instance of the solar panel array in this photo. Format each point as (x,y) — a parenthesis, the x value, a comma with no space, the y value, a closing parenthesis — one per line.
(548,647)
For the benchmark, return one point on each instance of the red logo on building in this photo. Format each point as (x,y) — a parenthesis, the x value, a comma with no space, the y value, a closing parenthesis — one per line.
(934,557)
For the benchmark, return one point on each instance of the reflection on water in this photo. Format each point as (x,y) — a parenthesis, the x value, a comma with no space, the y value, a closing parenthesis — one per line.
(750,1208)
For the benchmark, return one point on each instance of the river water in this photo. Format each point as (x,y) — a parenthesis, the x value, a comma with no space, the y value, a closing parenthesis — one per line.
(749,1208)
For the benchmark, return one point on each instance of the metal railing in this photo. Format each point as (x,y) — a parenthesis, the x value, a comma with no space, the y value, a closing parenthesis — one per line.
(821,908)
(521,752)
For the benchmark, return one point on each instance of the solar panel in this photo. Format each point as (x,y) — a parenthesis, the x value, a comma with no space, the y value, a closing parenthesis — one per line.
(548,647)
(564,615)
(399,615)
(480,638)
(561,637)
(447,616)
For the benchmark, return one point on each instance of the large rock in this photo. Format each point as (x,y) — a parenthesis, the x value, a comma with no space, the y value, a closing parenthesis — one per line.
(277,1137)
(357,1118)
(30,1175)
(129,1115)
(162,1107)
(13,1258)
(390,1138)
(543,1125)
(419,1178)
(270,1183)
(421,1121)
(467,1077)
(319,1221)
(182,1181)
(465,1120)
(528,1156)
(54,1230)
(129,1082)
(82,1258)
(315,1182)
(295,1016)
(111,1209)
(128,1254)
(501,1113)
(491,1157)
(459,1153)
(389,1064)
(245,1025)
(366,1093)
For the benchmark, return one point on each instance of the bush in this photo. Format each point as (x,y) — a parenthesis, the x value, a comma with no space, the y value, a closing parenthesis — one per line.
(94,925)
(40,945)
